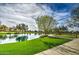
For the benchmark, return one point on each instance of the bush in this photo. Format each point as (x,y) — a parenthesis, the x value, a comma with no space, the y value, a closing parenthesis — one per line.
(43,36)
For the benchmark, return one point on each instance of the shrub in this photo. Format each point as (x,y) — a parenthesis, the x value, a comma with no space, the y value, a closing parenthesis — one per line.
(43,36)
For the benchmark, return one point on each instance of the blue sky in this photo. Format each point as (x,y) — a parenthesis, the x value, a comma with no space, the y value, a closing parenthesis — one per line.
(62,11)
(13,14)
(62,7)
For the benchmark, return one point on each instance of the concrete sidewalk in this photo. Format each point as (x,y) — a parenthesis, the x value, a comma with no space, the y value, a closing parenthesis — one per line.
(70,48)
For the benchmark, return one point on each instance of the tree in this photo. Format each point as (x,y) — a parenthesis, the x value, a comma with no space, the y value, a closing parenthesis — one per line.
(60,30)
(75,20)
(45,23)
(3,28)
(22,27)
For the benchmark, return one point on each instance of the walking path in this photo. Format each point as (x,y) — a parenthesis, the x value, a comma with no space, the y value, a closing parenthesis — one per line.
(70,48)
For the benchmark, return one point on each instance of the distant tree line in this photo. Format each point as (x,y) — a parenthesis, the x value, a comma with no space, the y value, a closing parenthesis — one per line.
(18,28)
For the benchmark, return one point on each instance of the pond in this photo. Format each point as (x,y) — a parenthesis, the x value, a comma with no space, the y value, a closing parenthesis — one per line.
(10,38)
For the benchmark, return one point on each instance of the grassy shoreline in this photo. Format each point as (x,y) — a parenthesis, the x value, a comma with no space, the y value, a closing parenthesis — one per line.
(30,47)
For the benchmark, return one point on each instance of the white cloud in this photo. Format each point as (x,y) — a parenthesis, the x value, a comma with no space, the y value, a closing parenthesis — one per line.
(74,29)
(12,14)
(61,15)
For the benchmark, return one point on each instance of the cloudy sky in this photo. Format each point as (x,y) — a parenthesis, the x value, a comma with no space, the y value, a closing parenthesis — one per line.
(13,14)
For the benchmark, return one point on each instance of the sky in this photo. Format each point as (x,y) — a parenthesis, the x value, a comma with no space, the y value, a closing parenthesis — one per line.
(12,14)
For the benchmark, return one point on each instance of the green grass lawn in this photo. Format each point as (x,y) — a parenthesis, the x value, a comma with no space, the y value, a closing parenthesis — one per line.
(16,32)
(68,35)
(30,47)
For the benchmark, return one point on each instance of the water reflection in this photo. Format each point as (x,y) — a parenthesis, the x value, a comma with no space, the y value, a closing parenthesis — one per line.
(3,36)
(21,38)
(13,35)
(9,38)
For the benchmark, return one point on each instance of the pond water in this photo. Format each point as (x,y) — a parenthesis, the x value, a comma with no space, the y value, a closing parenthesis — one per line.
(10,38)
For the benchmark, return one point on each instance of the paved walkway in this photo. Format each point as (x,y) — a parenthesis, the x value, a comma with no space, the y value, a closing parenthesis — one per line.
(70,48)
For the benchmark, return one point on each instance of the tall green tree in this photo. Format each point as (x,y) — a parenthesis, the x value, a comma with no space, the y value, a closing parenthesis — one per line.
(45,23)
(22,27)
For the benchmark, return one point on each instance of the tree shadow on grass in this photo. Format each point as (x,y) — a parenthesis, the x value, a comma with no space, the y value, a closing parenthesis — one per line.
(50,45)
